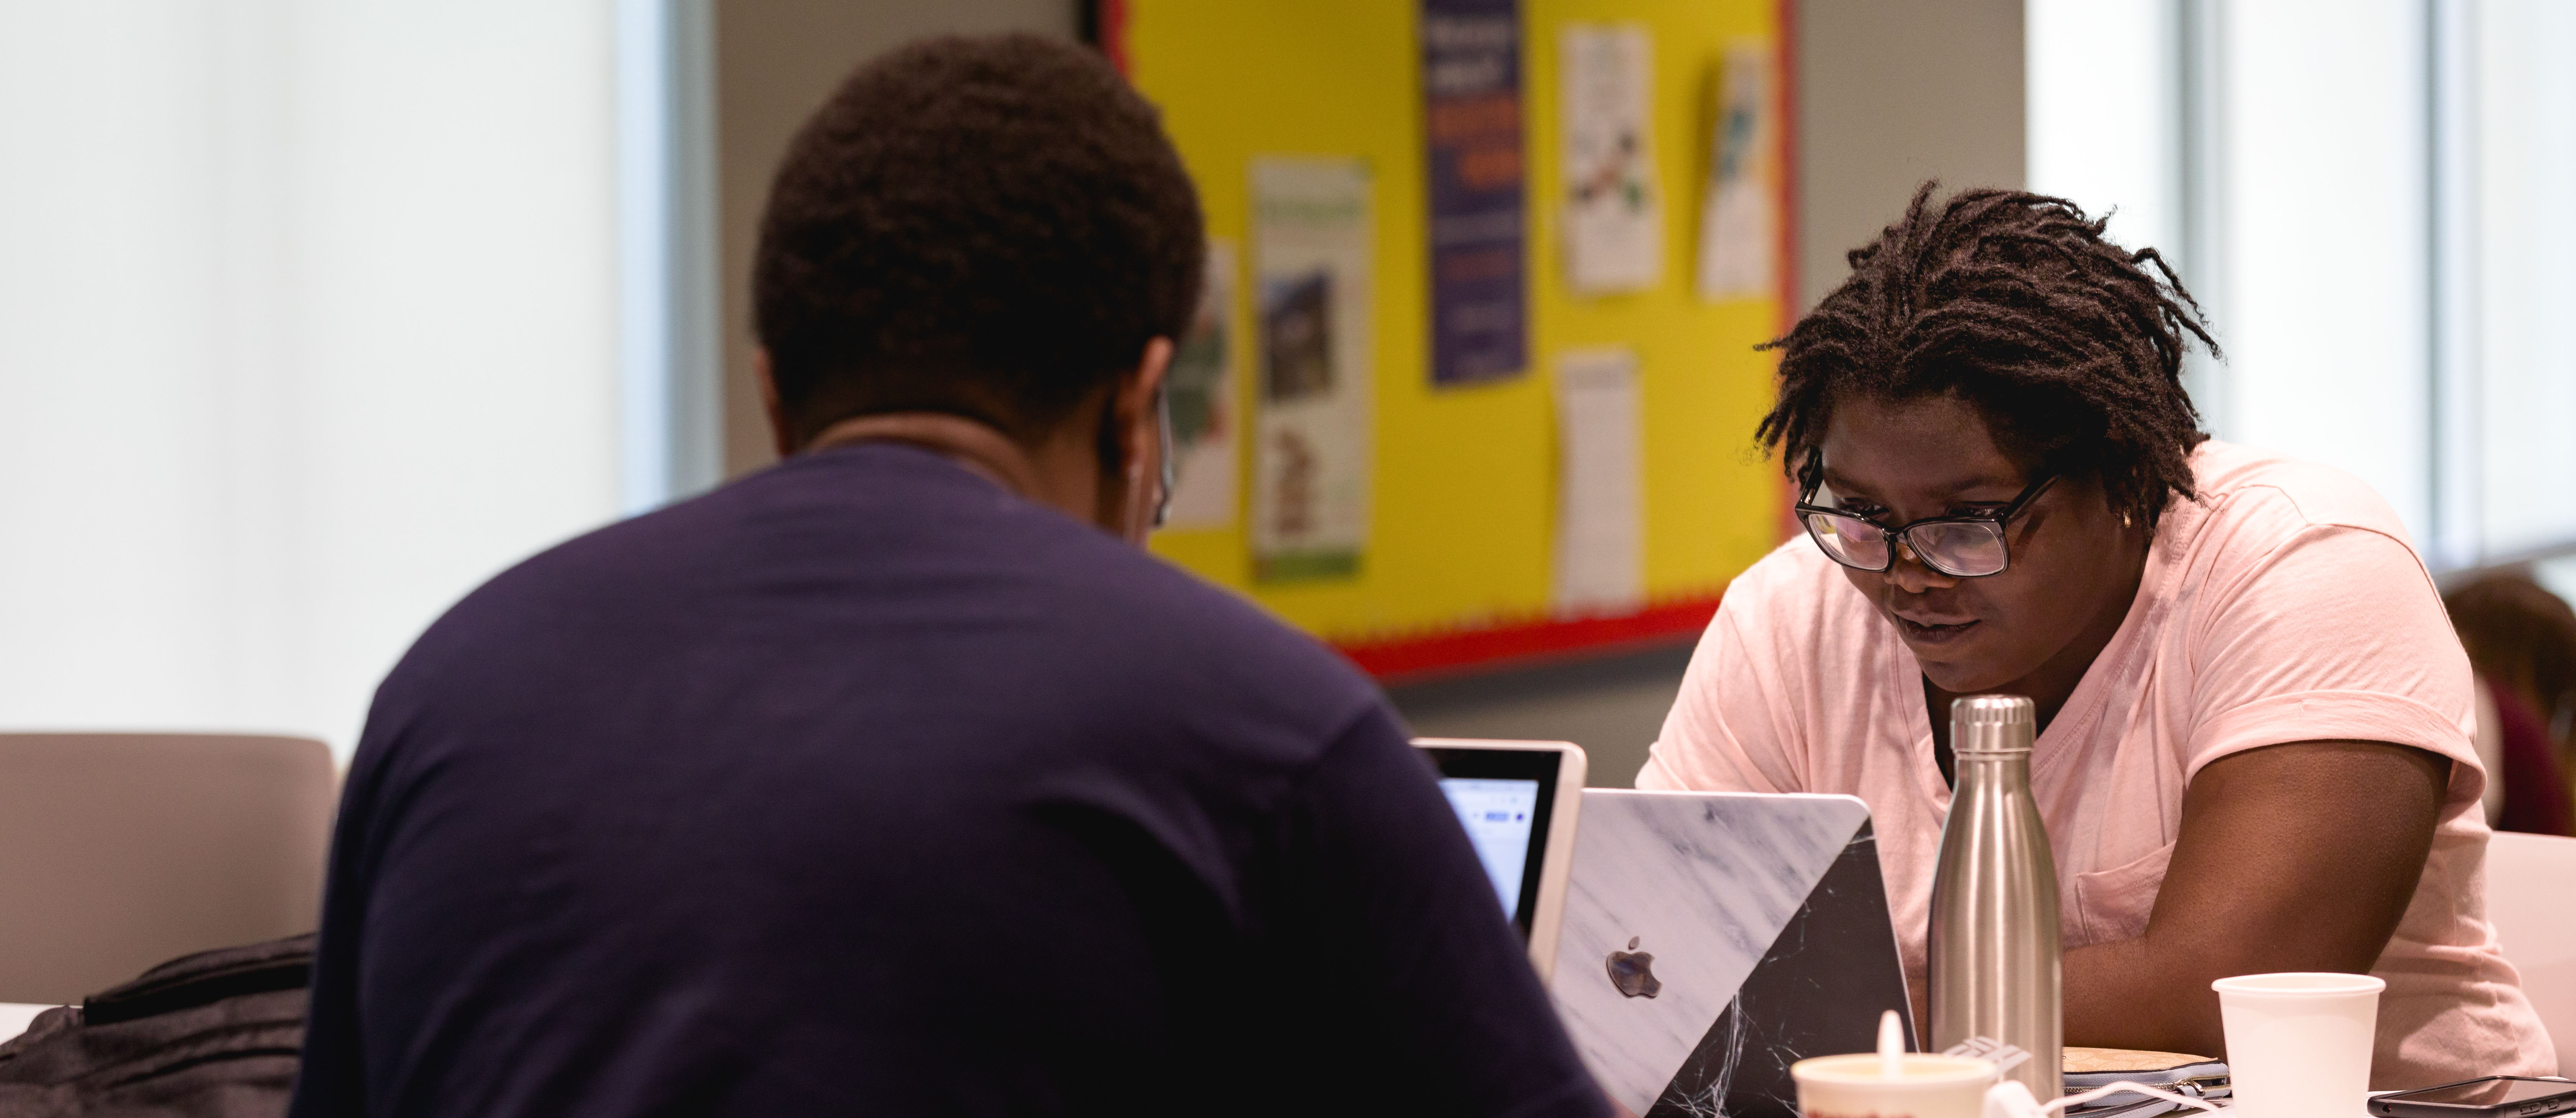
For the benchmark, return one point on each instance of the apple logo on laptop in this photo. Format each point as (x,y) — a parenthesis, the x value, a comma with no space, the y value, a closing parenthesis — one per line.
(1633,971)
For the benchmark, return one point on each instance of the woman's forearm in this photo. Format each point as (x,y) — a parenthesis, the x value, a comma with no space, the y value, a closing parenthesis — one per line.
(2298,857)
(2117,996)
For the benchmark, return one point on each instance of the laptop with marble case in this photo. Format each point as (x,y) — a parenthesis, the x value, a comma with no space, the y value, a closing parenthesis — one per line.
(1712,939)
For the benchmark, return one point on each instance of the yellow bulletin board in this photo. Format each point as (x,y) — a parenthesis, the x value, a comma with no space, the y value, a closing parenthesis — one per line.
(1462,515)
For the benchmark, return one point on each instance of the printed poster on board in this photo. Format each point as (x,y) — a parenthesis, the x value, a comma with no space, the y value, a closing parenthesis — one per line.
(1600,567)
(1471,92)
(1311,258)
(1614,221)
(1738,230)
(1205,420)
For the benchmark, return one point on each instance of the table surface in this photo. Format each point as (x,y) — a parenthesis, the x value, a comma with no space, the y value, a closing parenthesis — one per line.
(14,1018)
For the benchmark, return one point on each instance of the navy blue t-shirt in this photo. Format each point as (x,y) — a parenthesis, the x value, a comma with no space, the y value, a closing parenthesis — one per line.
(864,786)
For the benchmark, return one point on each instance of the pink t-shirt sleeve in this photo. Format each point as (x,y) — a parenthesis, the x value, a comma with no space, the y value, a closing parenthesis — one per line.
(2335,634)
(1731,728)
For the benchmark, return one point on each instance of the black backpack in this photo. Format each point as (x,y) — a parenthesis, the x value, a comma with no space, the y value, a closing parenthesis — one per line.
(217,1034)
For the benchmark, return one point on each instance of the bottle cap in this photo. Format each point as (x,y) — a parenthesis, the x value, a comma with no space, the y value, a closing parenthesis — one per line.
(1992,724)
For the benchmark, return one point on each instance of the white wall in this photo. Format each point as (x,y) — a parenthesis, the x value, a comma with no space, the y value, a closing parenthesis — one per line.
(306,327)
(1890,93)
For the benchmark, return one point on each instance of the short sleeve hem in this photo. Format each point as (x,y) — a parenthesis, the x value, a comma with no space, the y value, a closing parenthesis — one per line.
(2373,716)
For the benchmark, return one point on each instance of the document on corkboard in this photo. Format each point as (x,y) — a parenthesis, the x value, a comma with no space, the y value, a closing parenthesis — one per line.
(1312,257)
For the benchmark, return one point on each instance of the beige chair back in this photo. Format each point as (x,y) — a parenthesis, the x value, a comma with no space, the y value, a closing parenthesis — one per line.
(120,851)
(2531,897)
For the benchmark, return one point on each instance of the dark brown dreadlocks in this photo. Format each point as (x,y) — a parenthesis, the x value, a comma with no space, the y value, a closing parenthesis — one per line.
(2014,302)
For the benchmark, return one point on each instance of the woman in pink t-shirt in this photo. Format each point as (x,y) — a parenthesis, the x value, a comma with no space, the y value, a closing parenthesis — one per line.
(2254,718)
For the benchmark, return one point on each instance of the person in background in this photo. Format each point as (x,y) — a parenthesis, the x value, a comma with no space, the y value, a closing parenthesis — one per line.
(898,779)
(2522,640)
(2254,720)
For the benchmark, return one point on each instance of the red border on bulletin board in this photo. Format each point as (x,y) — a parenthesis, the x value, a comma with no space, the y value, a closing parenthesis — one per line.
(1463,651)
(1791,305)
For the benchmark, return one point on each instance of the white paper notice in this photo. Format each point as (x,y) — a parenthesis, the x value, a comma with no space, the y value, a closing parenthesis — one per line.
(1738,232)
(1204,416)
(1614,223)
(1600,503)
(1311,254)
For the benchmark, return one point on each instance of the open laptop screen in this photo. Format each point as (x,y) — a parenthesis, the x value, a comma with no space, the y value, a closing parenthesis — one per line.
(1504,799)
(1496,814)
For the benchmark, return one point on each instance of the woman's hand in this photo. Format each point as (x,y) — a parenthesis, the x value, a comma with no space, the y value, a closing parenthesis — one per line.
(2297,857)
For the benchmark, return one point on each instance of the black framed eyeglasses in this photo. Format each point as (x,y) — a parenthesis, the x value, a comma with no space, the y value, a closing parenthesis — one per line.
(1968,546)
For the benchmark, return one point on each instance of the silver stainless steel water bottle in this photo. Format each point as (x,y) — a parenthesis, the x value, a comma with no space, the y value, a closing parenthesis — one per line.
(1994,943)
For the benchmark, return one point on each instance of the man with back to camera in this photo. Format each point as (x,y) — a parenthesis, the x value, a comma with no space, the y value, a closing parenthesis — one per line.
(897,779)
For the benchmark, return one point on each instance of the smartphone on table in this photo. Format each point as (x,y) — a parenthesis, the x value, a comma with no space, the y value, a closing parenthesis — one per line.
(2497,1096)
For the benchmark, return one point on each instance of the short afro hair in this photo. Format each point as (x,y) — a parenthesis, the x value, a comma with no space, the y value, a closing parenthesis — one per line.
(2015,303)
(991,227)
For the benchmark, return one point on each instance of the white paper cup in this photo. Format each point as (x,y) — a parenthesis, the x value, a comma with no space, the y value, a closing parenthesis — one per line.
(1926,1086)
(2298,1045)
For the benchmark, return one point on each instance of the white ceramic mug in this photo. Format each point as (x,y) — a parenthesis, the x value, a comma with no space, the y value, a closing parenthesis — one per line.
(2298,1044)
(1926,1086)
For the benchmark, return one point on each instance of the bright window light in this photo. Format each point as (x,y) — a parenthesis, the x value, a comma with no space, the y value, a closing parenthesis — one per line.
(2323,159)
(2102,105)
(2277,154)
(306,327)
(2525,160)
